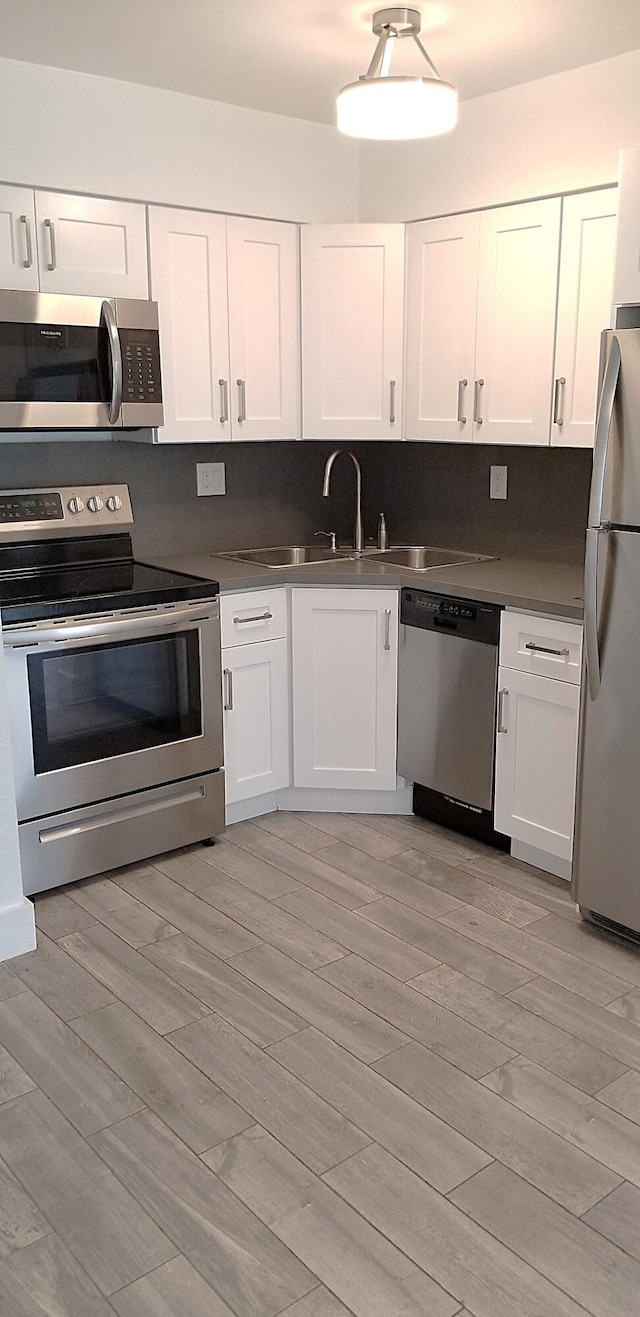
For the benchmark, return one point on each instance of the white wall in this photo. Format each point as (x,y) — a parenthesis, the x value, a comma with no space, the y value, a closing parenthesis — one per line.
(553,135)
(17,927)
(81,133)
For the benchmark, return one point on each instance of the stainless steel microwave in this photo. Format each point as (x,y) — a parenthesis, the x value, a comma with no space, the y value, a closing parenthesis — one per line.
(78,363)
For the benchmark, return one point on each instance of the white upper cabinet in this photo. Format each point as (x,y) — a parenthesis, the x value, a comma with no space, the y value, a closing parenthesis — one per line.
(442,279)
(264,312)
(585,291)
(481,304)
(517,281)
(626,284)
(187,250)
(91,246)
(228,297)
(352,330)
(51,242)
(18,249)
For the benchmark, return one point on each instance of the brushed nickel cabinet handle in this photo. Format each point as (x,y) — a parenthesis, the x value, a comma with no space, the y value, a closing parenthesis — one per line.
(479,384)
(28,262)
(462,384)
(542,649)
(228,694)
(242,400)
(558,400)
(256,617)
(502,695)
(224,401)
(387,628)
(392,402)
(53,260)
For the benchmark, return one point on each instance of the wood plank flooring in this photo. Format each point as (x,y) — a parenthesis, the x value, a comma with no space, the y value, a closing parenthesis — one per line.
(334,1066)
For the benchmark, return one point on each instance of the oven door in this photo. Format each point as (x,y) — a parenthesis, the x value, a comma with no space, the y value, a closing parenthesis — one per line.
(111,706)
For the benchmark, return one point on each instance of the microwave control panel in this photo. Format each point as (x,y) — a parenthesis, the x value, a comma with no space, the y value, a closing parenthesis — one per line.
(140,365)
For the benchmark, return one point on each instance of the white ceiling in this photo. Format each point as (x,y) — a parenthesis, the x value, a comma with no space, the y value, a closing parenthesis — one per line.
(292,56)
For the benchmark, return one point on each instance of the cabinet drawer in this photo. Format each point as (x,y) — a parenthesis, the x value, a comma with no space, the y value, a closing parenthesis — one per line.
(541,645)
(252,616)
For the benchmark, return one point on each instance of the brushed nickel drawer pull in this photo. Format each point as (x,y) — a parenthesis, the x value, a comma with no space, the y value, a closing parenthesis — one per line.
(48,224)
(543,649)
(479,385)
(242,400)
(228,694)
(392,402)
(387,628)
(257,617)
(224,401)
(558,400)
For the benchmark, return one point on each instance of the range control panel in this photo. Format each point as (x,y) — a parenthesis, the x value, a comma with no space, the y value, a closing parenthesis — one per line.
(140,365)
(27,514)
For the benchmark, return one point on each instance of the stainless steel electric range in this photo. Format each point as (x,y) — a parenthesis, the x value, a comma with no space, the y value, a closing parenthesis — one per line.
(113,678)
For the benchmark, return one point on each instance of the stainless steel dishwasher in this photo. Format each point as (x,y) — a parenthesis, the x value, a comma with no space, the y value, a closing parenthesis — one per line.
(447,679)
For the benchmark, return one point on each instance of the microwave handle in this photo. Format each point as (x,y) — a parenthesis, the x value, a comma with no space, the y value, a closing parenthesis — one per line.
(115,351)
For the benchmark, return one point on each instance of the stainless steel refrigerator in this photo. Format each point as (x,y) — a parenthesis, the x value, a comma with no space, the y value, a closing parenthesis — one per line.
(606,862)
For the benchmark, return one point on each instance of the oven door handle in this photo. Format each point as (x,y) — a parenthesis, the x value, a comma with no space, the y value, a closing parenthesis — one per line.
(104,629)
(115,352)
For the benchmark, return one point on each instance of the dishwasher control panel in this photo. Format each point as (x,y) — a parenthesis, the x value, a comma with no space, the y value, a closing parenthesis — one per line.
(469,620)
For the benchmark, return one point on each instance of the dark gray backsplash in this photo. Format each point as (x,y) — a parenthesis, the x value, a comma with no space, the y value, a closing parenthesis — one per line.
(430,493)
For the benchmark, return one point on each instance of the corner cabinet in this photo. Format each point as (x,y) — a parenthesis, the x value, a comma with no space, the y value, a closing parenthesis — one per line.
(255,680)
(352,330)
(537,737)
(345,645)
(228,296)
(480,324)
(54,242)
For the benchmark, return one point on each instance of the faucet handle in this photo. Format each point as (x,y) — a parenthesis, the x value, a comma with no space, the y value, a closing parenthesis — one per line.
(331,535)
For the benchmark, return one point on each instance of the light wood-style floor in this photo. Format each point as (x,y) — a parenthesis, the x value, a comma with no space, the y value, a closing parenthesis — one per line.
(333,1065)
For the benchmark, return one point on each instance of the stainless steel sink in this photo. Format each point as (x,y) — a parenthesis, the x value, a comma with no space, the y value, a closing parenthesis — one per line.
(423,558)
(288,555)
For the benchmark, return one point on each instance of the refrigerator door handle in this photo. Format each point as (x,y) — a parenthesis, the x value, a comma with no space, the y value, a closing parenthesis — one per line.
(592,644)
(603,431)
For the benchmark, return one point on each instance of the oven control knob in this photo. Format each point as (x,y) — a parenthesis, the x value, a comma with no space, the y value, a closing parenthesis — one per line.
(95,503)
(75,505)
(114,503)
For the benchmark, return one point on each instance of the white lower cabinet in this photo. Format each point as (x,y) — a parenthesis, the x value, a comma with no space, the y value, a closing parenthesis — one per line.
(255,677)
(345,644)
(537,734)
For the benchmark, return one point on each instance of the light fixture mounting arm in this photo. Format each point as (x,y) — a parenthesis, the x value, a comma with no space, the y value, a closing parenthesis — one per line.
(394,23)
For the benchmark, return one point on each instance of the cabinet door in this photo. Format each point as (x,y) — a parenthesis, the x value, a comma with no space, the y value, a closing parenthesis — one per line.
(587,253)
(345,688)
(352,330)
(18,250)
(256,719)
(626,284)
(189,282)
(536,761)
(442,280)
(517,281)
(91,246)
(264,328)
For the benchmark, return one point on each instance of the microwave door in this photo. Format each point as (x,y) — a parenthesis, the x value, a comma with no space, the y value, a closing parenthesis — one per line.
(54,375)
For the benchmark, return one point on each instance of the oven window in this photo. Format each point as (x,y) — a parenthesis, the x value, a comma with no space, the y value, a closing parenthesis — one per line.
(113,699)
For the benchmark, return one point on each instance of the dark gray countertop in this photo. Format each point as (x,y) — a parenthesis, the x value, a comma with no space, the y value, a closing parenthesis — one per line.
(544,587)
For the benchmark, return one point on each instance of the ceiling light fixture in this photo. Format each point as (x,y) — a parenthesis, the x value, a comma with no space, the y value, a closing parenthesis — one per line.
(390,108)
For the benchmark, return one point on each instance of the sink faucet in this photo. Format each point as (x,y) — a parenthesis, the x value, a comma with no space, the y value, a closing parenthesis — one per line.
(358,541)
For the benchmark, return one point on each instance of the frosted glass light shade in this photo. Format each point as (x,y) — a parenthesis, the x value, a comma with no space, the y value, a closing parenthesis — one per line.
(397,108)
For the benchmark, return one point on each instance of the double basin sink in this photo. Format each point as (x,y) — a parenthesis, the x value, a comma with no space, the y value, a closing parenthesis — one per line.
(417,557)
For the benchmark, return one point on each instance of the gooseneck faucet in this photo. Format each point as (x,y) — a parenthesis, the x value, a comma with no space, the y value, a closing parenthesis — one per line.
(358,540)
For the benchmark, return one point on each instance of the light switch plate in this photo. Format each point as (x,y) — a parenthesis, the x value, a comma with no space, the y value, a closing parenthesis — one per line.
(210,478)
(498,482)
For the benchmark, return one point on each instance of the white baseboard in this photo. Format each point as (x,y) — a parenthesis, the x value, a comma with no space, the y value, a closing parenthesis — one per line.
(335,801)
(17,930)
(251,809)
(520,850)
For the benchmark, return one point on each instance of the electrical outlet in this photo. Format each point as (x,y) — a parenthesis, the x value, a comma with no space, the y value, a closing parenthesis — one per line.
(498,482)
(210,478)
